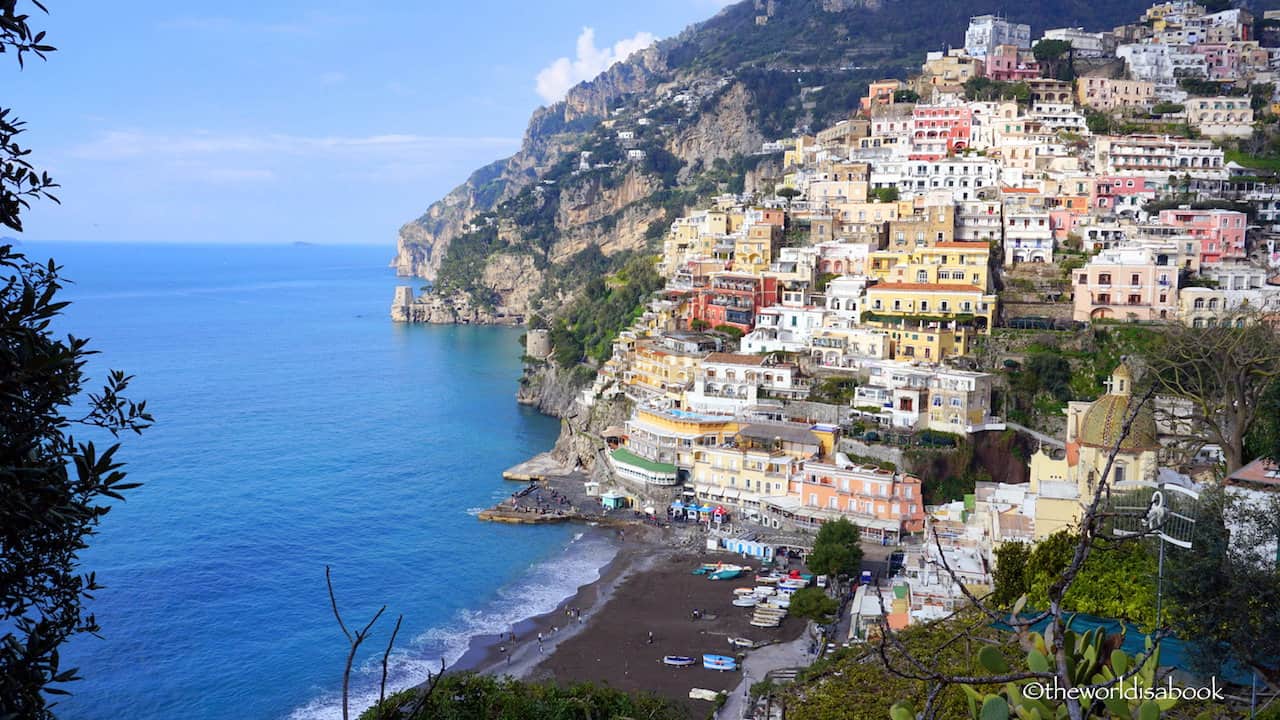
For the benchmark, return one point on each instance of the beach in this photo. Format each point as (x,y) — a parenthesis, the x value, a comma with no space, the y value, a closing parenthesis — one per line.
(648,587)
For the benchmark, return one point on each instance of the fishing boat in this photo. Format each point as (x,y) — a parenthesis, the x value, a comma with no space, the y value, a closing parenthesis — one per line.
(767,579)
(726,574)
(719,662)
(745,601)
(742,642)
(706,568)
(679,660)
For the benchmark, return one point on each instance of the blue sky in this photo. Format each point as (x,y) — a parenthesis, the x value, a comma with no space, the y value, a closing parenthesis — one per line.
(282,121)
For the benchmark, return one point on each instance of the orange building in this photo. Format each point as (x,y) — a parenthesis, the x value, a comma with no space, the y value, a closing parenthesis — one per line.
(884,504)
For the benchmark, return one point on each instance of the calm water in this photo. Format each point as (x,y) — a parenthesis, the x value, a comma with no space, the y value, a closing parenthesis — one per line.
(297,427)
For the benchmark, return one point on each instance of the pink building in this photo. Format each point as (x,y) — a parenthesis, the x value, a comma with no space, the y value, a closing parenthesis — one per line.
(1220,232)
(1008,63)
(1222,61)
(1121,194)
(1126,284)
(939,131)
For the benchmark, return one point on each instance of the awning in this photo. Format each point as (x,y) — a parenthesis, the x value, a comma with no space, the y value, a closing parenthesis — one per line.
(732,494)
(677,505)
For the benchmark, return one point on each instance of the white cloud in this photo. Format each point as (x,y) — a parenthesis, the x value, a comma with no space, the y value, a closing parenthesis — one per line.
(554,80)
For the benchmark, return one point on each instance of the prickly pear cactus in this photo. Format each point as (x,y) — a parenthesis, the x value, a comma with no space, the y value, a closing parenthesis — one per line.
(1092,659)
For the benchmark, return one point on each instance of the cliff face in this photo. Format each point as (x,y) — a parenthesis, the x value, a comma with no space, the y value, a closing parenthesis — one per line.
(552,132)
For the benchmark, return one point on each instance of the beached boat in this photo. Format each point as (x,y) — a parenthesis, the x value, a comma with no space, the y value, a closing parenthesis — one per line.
(741,592)
(793,584)
(704,694)
(679,660)
(780,602)
(768,579)
(765,591)
(706,568)
(742,642)
(726,574)
(719,662)
(762,623)
(745,602)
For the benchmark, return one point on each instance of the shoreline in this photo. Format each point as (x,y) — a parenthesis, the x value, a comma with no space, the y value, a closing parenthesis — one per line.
(494,654)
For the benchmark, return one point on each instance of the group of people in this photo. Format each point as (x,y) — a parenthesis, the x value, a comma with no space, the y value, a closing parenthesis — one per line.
(553,502)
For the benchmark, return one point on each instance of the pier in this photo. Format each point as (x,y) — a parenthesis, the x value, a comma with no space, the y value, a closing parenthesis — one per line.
(553,493)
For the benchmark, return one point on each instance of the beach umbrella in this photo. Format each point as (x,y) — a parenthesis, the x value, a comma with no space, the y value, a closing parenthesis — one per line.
(720,510)
(649,510)
(677,504)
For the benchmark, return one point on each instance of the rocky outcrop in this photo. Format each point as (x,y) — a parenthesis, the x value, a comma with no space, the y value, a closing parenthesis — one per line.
(728,129)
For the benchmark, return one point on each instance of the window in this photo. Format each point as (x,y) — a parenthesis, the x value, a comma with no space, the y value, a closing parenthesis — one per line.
(1104,279)
(1135,279)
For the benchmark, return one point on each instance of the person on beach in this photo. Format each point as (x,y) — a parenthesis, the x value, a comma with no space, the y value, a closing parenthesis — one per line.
(650,637)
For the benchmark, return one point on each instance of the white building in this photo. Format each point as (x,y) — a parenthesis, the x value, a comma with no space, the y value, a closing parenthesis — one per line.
(987,31)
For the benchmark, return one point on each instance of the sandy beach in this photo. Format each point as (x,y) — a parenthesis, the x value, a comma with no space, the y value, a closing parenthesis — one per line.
(647,587)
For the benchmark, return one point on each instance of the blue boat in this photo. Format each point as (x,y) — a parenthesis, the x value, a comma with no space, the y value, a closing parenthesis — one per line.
(719,662)
(678,660)
(725,574)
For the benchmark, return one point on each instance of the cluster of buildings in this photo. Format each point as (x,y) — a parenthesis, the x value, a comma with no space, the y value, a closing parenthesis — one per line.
(878,269)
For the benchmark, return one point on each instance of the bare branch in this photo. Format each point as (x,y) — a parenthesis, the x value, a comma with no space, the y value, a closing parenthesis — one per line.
(382,689)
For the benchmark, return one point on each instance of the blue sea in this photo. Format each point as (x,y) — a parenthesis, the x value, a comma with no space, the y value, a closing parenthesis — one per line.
(297,427)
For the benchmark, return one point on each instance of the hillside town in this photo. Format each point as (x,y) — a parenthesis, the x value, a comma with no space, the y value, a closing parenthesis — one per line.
(807,335)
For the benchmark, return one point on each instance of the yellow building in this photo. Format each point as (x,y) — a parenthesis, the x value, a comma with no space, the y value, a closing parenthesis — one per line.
(945,263)
(930,321)
(674,436)
(1065,485)
(756,248)
(759,462)
(662,370)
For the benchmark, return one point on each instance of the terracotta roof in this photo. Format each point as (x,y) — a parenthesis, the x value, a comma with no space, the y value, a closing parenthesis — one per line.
(968,245)
(926,287)
(1259,472)
(734,359)
(1018,190)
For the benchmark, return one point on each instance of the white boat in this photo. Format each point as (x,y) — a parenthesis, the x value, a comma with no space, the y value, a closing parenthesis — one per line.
(742,592)
(781,602)
(765,591)
(745,602)
(765,623)
(742,642)
(768,579)
(679,660)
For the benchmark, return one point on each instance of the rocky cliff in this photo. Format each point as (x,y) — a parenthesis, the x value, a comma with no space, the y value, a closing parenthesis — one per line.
(623,154)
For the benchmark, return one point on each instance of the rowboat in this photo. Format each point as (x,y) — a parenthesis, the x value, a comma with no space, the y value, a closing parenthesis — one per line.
(719,662)
(727,574)
(679,660)
(745,602)
(742,592)
(767,579)
(742,642)
(765,623)
(764,591)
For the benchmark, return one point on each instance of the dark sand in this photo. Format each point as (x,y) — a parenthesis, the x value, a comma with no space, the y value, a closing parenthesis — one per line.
(660,596)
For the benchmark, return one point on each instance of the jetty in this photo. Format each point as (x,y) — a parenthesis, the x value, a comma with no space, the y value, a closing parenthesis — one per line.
(553,493)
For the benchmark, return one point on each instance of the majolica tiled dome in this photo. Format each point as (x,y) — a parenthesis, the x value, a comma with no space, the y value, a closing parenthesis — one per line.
(1102,423)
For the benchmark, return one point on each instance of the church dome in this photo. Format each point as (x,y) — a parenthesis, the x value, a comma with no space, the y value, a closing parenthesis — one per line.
(1101,425)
